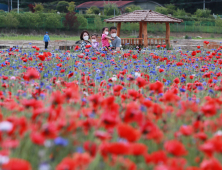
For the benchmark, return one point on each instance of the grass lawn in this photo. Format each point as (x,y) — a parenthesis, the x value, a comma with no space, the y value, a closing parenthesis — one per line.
(74,38)
(38,37)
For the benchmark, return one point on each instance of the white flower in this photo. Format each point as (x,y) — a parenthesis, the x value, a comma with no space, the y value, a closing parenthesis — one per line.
(48,143)
(86,93)
(44,167)
(137,74)
(58,82)
(4,159)
(114,78)
(218,133)
(6,126)
(157,67)
(12,78)
(194,75)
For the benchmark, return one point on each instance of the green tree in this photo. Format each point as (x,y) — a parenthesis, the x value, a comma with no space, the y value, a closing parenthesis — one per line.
(109,9)
(132,8)
(38,7)
(93,10)
(71,7)
(53,21)
(180,13)
(11,21)
(62,6)
(82,21)
(203,13)
(161,10)
(98,22)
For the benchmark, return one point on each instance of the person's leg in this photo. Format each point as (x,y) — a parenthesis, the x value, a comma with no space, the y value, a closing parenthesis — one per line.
(46,45)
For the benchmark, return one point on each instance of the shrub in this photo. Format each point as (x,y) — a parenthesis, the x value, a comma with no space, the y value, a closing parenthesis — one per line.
(62,6)
(93,10)
(71,21)
(180,12)
(11,21)
(132,8)
(38,7)
(203,13)
(53,21)
(218,22)
(161,10)
(109,9)
(82,21)
(98,23)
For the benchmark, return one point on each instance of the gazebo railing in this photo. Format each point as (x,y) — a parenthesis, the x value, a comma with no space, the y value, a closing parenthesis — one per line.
(131,41)
(140,41)
(157,41)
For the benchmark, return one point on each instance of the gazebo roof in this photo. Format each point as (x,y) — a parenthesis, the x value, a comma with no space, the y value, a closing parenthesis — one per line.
(144,15)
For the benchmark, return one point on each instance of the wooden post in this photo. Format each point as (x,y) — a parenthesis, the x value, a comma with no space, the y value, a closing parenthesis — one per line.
(168,33)
(145,34)
(118,28)
(140,33)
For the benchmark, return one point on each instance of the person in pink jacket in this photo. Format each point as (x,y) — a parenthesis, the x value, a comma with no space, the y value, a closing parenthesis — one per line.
(94,42)
(106,38)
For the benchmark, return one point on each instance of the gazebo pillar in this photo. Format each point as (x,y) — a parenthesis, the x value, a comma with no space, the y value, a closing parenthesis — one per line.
(145,34)
(140,33)
(118,28)
(168,33)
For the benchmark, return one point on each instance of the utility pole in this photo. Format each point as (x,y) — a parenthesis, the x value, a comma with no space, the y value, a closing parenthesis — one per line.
(203,4)
(11,4)
(18,7)
(8,6)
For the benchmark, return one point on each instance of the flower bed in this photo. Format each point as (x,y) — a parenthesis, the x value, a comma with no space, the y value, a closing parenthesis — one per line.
(139,109)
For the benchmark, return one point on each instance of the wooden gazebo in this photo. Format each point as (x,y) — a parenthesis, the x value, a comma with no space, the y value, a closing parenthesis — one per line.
(144,17)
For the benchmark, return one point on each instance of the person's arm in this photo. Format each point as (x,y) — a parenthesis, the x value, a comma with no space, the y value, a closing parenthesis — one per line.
(118,44)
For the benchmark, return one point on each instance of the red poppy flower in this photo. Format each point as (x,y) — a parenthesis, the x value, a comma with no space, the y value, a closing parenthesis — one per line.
(17,164)
(37,138)
(176,80)
(134,57)
(211,164)
(161,70)
(209,109)
(175,147)
(31,73)
(118,148)
(90,147)
(70,75)
(138,149)
(186,130)
(128,132)
(141,82)
(157,87)
(206,42)
(88,46)
(198,47)
(179,64)
(67,163)
(158,46)
(94,58)
(156,157)
(41,57)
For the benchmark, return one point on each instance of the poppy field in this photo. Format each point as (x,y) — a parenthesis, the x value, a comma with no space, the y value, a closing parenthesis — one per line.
(136,109)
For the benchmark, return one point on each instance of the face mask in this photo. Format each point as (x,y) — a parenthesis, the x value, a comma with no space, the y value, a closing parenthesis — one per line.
(113,35)
(106,33)
(93,40)
(86,37)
